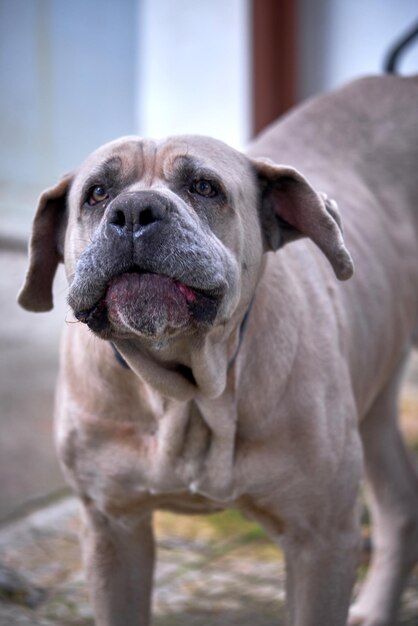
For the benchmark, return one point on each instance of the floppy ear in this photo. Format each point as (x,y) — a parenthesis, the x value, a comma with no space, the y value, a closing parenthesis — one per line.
(45,247)
(291,208)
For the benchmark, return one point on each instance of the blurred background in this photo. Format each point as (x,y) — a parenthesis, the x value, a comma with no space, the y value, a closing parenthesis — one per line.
(74,75)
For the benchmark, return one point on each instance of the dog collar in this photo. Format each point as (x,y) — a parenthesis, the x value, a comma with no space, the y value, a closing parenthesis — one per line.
(119,357)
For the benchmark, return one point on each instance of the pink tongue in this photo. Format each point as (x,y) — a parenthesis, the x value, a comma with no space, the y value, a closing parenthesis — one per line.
(186,291)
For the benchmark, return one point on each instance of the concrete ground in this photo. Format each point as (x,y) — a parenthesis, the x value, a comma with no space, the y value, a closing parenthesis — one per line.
(218,570)
(29,345)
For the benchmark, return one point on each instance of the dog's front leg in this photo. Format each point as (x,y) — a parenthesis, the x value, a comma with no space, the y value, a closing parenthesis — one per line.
(320,567)
(119,564)
(320,577)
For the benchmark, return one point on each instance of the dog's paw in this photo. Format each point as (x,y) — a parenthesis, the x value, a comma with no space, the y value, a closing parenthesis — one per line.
(356,617)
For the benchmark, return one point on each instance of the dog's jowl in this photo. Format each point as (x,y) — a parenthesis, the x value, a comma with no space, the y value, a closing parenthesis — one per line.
(227,354)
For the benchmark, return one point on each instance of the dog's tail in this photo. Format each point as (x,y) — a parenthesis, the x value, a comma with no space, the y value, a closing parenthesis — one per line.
(390,65)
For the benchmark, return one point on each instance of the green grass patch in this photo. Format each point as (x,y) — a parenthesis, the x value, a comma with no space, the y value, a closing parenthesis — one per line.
(232,523)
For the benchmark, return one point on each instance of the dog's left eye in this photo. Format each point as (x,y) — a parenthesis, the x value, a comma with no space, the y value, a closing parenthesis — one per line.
(97,194)
(204,188)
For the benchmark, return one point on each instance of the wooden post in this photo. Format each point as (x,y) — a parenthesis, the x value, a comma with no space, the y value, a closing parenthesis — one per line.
(274,59)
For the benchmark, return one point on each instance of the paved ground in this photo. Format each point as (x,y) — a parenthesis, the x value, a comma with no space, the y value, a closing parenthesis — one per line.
(29,357)
(208,571)
(217,570)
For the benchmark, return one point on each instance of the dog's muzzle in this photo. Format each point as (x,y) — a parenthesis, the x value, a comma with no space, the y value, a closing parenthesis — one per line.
(149,274)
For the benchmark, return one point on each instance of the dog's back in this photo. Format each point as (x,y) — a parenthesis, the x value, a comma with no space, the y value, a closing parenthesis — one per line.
(360,145)
(370,126)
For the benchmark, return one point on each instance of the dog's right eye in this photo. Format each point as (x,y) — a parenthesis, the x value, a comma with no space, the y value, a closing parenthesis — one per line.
(96,195)
(203,187)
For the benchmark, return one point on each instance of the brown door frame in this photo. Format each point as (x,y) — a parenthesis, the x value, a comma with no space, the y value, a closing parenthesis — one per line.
(273,59)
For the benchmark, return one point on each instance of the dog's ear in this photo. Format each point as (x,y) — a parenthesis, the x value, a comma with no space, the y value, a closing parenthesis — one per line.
(290,208)
(46,247)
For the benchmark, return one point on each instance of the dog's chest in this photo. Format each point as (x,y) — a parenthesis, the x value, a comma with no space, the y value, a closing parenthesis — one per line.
(185,451)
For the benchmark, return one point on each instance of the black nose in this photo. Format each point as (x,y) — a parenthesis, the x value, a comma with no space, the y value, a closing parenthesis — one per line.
(135,211)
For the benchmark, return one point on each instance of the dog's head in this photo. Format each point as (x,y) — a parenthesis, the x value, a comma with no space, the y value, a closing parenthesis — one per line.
(162,239)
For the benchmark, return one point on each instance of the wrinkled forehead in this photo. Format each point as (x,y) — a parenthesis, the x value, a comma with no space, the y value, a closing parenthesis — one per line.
(133,159)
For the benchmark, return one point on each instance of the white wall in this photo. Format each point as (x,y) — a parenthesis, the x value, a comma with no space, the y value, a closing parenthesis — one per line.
(194,60)
(343,39)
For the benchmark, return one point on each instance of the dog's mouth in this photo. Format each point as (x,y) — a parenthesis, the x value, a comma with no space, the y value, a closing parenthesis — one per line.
(149,304)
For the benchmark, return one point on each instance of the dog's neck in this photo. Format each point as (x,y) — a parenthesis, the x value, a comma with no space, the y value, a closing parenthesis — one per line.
(201,369)
(187,372)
